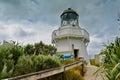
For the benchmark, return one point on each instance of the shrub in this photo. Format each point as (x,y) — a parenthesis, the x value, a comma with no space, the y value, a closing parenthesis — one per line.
(9,54)
(27,64)
(18,60)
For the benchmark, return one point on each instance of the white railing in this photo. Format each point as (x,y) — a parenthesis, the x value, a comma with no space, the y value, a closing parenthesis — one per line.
(73,32)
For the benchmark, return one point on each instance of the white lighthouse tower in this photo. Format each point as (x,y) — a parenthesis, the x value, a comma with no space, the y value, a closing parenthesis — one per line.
(70,38)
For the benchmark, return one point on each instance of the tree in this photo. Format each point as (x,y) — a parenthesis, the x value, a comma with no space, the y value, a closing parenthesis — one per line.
(39,48)
(18,60)
(29,49)
(9,54)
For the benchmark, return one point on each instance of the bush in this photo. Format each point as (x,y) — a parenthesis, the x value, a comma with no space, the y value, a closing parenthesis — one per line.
(9,54)
(27,64)
(51,62)
(18,60)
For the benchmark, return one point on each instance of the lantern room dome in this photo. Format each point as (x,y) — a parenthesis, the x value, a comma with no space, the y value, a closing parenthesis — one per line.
(69,17)
(69,10)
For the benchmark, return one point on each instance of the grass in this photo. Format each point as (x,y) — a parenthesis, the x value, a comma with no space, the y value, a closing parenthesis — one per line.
(74,73)
(95,63)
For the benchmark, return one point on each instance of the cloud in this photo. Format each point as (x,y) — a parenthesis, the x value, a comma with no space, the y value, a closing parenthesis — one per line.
(29,21)
(95,45)
(25,34)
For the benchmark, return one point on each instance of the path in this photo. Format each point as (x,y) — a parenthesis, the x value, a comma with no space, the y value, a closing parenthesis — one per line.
(89,74)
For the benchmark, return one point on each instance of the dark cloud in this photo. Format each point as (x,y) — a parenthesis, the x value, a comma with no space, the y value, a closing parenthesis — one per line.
(49,11)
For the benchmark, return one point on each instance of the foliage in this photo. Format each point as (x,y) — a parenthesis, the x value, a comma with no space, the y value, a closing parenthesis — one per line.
(18,60)
(111,61)
(60,56)
(29,49)
(32,63)
(9,54)
(39,48)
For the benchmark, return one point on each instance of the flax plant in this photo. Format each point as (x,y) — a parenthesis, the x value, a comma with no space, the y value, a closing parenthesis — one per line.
(110,65)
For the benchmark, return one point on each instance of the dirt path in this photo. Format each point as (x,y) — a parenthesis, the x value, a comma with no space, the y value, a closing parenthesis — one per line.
(89,74)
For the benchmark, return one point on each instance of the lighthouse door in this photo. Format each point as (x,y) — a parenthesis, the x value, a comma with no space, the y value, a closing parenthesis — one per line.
(76,53)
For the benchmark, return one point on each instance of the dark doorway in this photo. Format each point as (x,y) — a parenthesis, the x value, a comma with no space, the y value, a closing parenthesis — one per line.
(76,53)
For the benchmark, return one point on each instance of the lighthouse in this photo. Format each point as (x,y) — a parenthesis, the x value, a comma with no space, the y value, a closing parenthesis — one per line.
(70,38)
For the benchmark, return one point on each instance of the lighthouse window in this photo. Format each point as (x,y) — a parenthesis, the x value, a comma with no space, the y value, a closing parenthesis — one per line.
(69,18)
(64,22)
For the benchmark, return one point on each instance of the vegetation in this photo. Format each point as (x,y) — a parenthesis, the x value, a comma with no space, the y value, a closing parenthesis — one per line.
(18,60)
(111,60)
(75,73)
(94,62)
(65,62)
(27,64)
(39,48)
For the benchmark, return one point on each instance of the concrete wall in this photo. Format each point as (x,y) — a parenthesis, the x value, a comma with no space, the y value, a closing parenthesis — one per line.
(65,45)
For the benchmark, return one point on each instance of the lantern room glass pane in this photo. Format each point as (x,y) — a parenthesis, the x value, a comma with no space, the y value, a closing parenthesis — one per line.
(69,18)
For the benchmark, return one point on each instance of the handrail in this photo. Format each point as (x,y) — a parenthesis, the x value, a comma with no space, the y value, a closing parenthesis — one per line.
(46,73)
(74,32)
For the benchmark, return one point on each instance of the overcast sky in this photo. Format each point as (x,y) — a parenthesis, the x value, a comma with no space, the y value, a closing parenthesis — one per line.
(29,21)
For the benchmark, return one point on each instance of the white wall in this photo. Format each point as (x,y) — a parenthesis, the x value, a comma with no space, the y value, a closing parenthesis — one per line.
(65,45)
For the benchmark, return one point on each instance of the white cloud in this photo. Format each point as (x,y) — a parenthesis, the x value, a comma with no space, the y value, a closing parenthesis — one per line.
(26,33)
(95,39)
(95,45)
(30,21)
